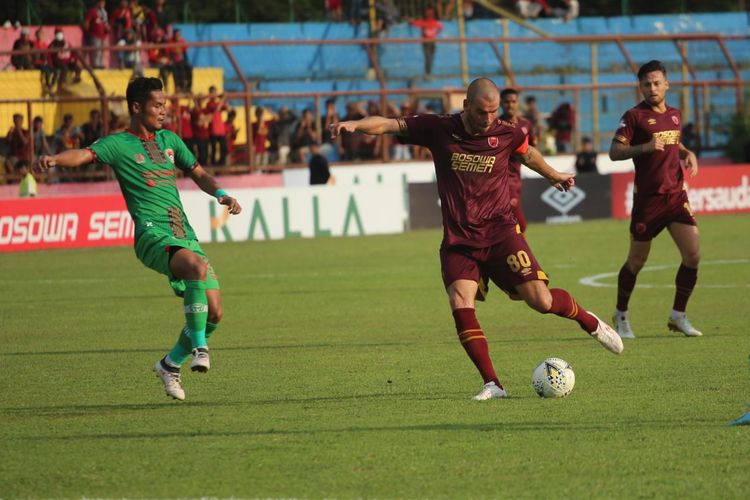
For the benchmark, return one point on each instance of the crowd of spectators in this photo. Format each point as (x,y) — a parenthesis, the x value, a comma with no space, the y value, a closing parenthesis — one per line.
(126,28)
(280,136)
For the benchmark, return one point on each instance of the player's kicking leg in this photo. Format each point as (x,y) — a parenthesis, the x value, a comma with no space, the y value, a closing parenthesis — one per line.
(559,302)
(685,237)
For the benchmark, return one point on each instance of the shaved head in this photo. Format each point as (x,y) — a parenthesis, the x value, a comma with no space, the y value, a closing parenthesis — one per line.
(480,106)
(482,88)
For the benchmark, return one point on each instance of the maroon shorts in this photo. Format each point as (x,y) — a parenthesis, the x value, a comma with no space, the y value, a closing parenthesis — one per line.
(508,264)
(652,213)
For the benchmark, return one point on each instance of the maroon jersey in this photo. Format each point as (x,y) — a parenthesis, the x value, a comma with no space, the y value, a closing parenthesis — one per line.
(472,175)
(514,164)
(660,171)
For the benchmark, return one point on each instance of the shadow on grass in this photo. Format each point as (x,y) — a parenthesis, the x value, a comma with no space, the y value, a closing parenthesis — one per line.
(327,345)
(532,427)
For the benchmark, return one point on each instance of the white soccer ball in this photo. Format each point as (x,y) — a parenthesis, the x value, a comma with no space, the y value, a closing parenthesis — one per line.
(553,378)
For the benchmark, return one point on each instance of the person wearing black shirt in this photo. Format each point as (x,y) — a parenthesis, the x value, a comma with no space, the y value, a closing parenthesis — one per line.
(318,165)
(586,158)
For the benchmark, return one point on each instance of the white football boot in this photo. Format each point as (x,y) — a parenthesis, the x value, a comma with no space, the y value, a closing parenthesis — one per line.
(682,325)
(171,381)
(490,391)
(607,336)
(201,362)
(622,325)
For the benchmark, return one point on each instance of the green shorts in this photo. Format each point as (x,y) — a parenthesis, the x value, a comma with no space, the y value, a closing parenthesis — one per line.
(152,248)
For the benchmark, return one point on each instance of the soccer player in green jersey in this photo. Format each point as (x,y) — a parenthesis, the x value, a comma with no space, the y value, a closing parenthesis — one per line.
(144,160)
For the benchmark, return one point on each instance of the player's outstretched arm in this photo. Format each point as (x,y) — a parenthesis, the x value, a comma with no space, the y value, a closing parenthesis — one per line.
(208,184)
(70,158)
(372,125)
(619,151)
(533,159)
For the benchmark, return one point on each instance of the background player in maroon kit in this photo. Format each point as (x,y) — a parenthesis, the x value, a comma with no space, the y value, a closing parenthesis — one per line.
(481,240)
(509,103)
(650,134)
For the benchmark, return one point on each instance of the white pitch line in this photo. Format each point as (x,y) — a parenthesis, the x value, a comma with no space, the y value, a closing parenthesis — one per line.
(594,280)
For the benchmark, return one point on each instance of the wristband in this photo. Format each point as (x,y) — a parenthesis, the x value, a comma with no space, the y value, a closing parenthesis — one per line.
(219,193)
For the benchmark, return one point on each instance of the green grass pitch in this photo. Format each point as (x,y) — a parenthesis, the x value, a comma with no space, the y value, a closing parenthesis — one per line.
(337,373)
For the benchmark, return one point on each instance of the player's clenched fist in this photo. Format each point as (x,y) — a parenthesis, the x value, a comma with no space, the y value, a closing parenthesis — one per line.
(231,203)
(656,144)
(44,162)
(338,127)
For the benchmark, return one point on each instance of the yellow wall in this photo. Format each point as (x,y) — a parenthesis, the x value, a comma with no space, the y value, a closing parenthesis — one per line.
(27,85)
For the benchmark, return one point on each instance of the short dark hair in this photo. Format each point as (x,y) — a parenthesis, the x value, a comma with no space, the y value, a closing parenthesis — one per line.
(530,98)
(508,91)
(650,67)
(139,90)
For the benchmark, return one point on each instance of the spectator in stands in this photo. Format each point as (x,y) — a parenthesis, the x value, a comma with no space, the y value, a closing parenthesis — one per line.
(24,42)
(68,136)
(157,18)
(41,146)
(334,10)
(320,173)
(130,59)
(261,130)
(561,121)
(281,133)
(138,17)
(329,146)
(93,129)
(185,128)
(358,10)
(431,28)
(531,113)
(305,133)
(41,62)
(586,158)
(122,20)
(63,61)
(530,9)
(231,133)
(387,15)
(18,143)
(214,107)
(182,72)
(159,57)
(566,9)
(27,186)
(96,30)
(201,124)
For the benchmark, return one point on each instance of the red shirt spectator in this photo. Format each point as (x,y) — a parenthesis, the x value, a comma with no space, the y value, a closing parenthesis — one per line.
(97,21)
(19,144)
(122,20)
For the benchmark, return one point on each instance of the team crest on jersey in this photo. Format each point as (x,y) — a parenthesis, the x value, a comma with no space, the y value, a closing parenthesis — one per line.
(525,130)
(170,154)
(676,120)
(139,158)
(651,121)
(493,141)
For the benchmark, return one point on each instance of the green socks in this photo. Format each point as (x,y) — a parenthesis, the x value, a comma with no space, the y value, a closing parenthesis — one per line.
(196,312)
(183,347)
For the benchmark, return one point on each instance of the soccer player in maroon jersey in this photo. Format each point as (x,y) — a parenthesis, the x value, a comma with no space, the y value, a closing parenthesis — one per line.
(481,238)
(649,133)
(509,103)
